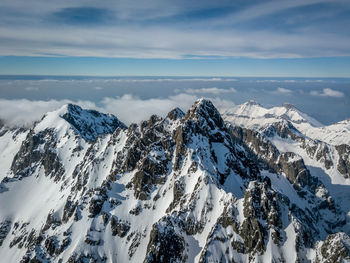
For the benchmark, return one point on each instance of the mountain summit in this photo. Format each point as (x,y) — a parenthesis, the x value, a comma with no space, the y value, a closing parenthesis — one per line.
(245,186)
(87,123)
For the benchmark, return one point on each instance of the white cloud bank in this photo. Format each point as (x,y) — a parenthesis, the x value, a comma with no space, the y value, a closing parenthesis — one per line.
(327,92)
(23,112)
(127,108)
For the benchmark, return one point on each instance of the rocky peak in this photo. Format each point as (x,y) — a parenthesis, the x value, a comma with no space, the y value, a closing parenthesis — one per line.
(252,103)
(203,111)
(289,106)
(176,114)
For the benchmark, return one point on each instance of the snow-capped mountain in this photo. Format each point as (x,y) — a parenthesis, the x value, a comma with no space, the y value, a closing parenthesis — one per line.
(252,115)
(250,185)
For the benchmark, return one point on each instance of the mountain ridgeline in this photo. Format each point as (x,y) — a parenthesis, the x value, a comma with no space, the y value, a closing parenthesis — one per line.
(246,185)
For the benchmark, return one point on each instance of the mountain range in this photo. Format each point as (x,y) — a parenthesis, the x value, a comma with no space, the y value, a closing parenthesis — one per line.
(249,184)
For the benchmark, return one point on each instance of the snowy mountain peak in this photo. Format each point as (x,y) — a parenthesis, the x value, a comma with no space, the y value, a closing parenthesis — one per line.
(247,109)
(253,115)
(87,123)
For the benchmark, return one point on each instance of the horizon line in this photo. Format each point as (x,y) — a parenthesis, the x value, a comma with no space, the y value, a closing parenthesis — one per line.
(170,76)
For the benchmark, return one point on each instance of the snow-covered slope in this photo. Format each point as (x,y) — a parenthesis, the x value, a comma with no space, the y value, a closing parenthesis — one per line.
(80,186)
(334,134)
(10,143)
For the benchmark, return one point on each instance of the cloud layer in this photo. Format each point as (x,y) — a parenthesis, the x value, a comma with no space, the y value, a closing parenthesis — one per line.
(128,108)
(134,99)
(24,112)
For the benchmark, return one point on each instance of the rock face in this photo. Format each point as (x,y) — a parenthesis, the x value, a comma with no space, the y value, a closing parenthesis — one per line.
(344,159)
(80,186)
(165,245)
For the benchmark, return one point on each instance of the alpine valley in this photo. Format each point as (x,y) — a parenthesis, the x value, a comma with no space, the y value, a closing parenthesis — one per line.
(246,185)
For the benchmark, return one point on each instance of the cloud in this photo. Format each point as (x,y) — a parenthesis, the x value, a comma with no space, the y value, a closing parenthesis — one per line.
(327,92)
(134,42)
(61,28)
(210,91)
(268,80)
(280,90)
(31,88)
(264,9)
(314,80)
(128,108)
(24,112)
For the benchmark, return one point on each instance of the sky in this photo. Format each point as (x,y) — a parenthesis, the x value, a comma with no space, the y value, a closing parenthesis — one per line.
(175,38)
(137,58)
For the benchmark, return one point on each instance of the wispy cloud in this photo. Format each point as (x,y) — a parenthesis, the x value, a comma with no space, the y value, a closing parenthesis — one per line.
(213,90)
(280,90)
(191,79)
(314,80)
(179,29)
(265,9)
(327,92)
(268,80)
(172,43)
(31,88)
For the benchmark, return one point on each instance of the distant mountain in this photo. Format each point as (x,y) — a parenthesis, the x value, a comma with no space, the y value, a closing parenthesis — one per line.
(252,115)
(249,185)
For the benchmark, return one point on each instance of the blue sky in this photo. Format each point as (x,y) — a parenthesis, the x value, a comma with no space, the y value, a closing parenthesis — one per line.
(169,38)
